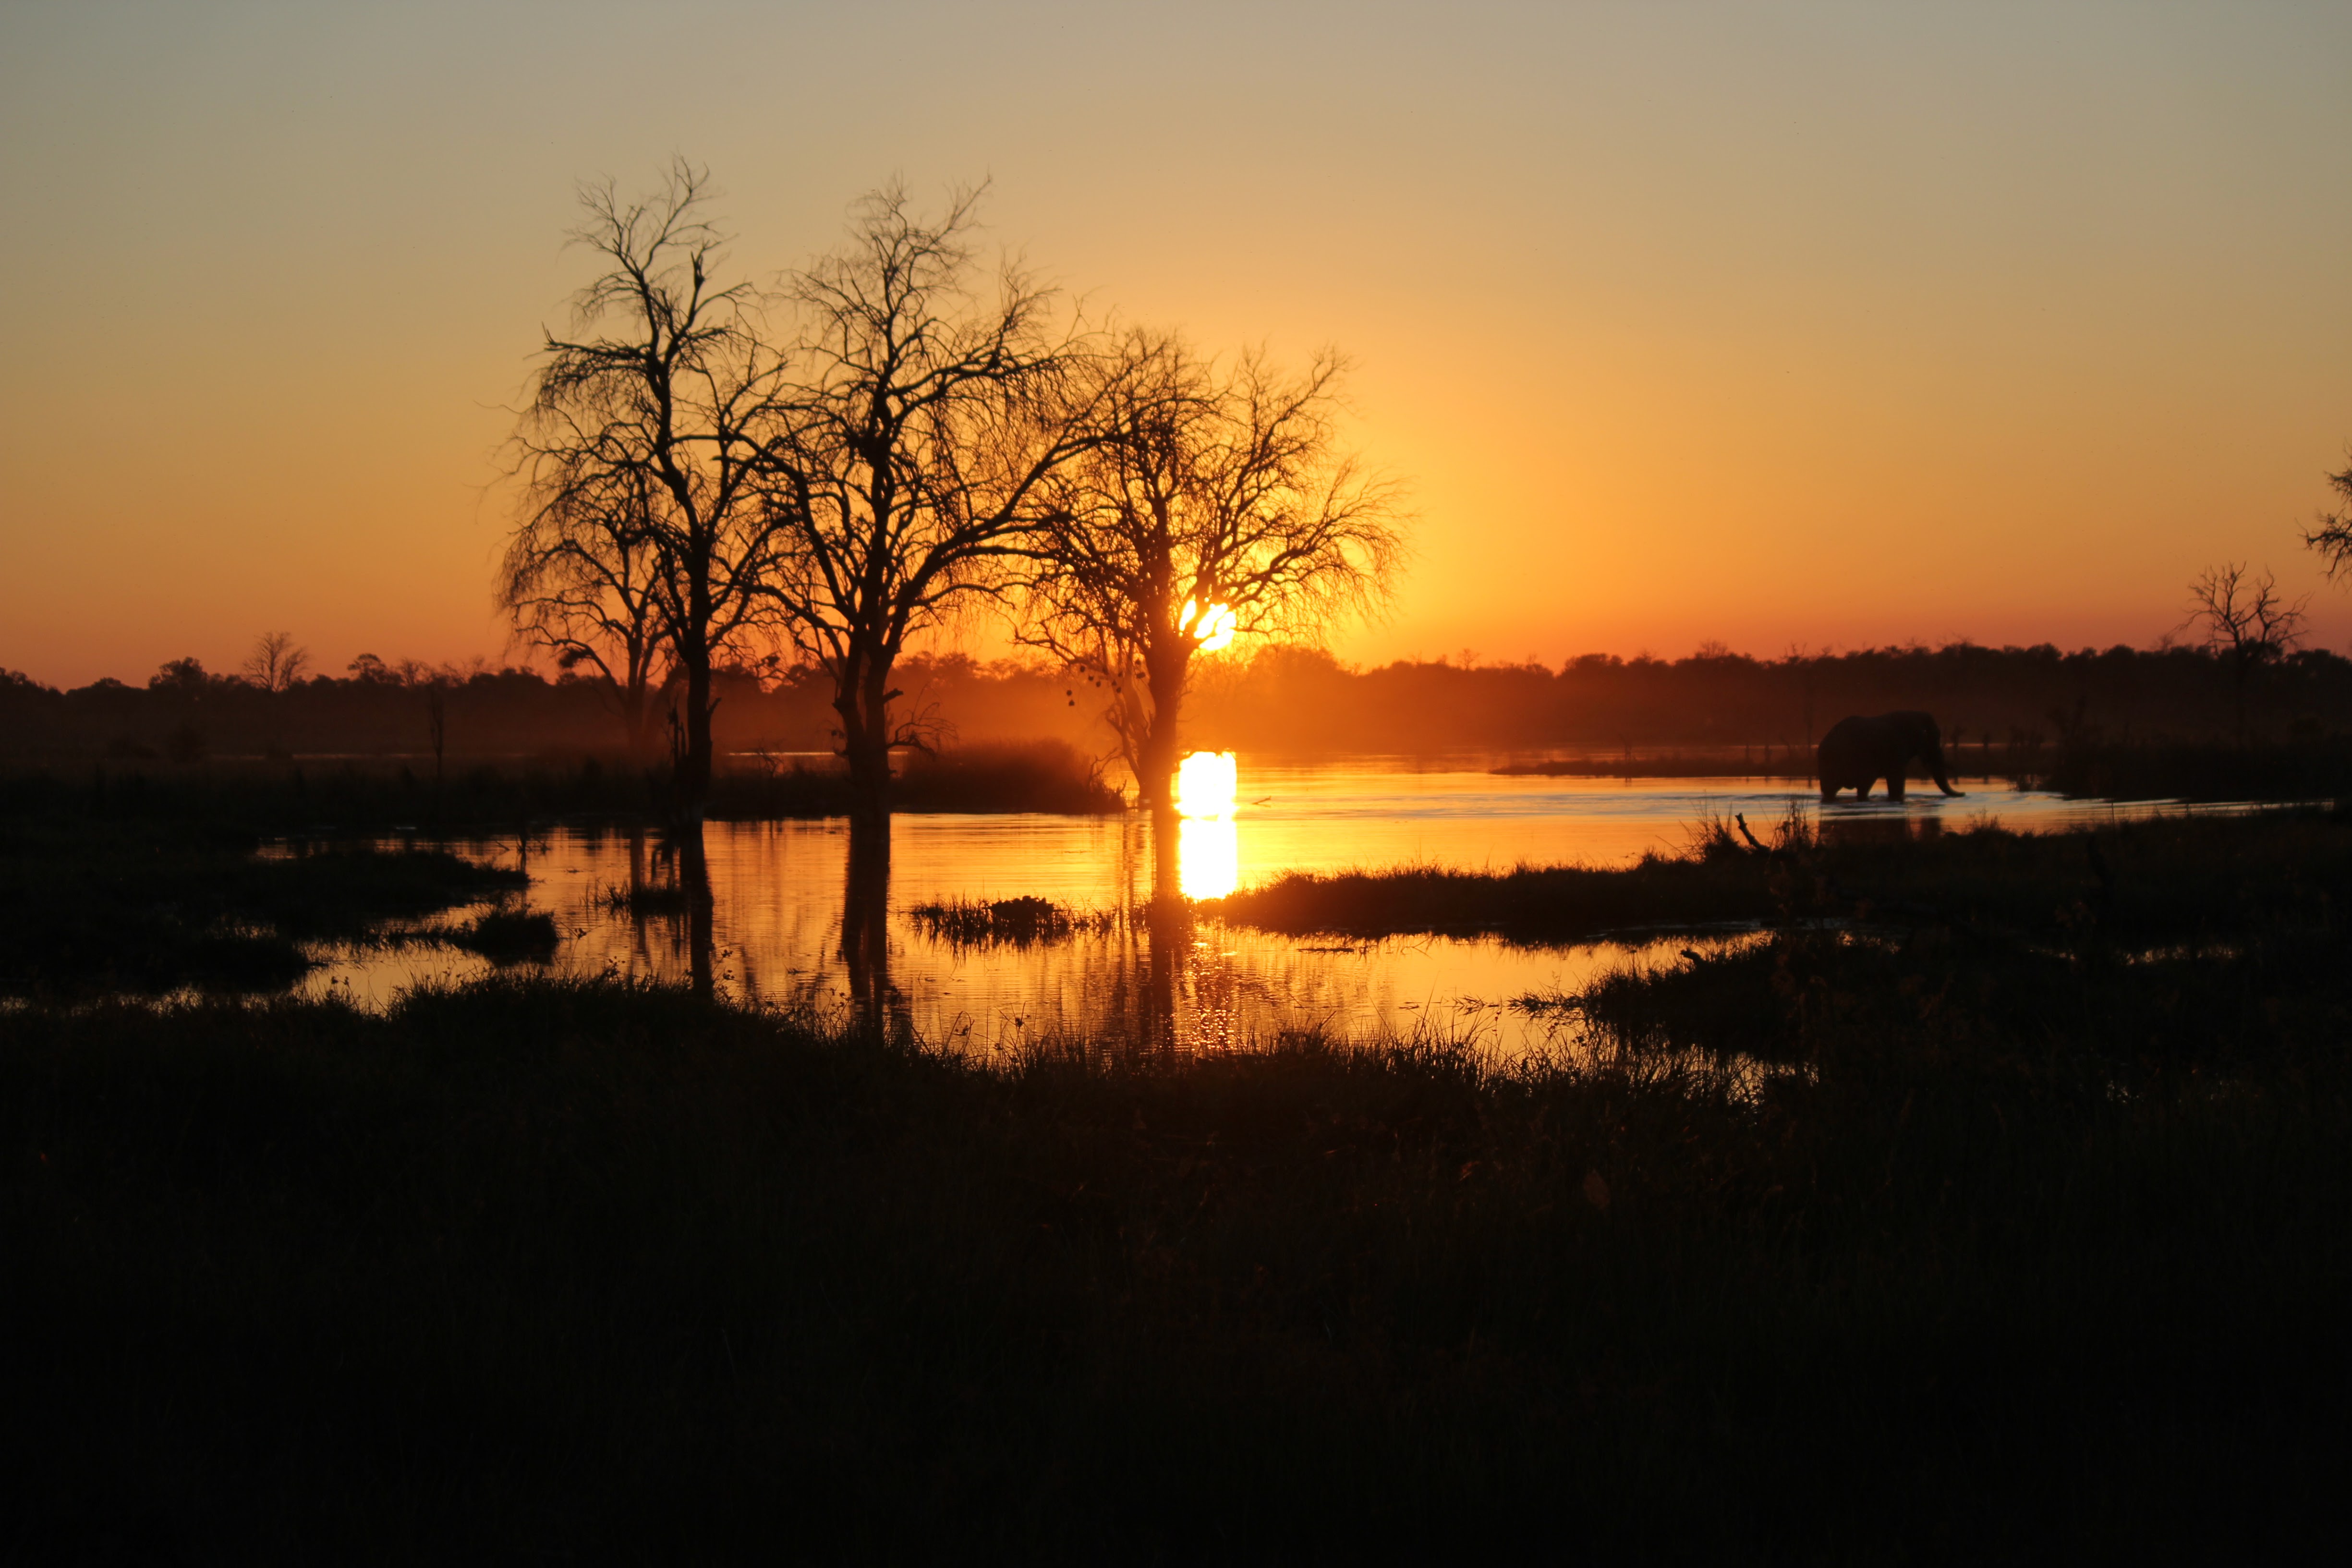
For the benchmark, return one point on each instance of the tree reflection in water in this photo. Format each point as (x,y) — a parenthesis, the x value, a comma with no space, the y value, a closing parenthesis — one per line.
(879,1006)
(694,882)
(1168,925)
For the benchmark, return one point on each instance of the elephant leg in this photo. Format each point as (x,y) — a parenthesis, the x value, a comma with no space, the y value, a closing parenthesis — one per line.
(1895,786)
(1829,790)
(1861,790)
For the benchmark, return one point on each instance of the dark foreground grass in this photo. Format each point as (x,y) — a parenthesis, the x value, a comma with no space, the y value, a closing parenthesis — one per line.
(567,1271)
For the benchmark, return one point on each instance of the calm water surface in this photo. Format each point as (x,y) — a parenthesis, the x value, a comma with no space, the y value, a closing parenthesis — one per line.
(778,906)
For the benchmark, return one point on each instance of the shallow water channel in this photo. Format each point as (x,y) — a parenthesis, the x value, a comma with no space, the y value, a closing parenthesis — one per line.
(782,906)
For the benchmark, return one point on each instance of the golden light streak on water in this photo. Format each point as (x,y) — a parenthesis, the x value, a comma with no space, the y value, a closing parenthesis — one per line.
(1208,856)
(1208,842)
(1206,784)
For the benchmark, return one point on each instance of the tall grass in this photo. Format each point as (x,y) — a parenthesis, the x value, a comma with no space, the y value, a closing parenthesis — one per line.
(594,1271)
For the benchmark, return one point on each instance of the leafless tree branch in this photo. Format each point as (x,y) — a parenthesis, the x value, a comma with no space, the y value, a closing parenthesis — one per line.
(1208,485)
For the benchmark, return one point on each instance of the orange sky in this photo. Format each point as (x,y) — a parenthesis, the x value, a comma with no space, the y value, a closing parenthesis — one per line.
(1815,324)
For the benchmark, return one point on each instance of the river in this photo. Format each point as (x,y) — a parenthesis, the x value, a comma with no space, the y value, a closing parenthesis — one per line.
(786,925)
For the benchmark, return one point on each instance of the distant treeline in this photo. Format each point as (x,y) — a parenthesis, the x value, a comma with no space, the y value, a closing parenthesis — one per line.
(431,714)
(2014,697)
(1282,700)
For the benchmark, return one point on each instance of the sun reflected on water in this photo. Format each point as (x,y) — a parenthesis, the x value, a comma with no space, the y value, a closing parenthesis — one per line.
(1208,842)
(1208,856)
(1206,783)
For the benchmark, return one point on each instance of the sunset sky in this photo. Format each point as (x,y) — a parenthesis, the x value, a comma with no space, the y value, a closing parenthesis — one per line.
(1772,324)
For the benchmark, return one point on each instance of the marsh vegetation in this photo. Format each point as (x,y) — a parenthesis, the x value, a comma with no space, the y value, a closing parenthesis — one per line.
(309,1278)
(91,907)
(1021,921)
(1866,1239)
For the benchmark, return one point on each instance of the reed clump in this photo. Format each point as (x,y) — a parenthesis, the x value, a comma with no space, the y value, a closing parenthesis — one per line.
(644,899)
(1023,921)
(509,936)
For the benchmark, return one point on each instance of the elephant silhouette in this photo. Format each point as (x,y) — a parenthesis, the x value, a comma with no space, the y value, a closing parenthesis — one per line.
(1858,752)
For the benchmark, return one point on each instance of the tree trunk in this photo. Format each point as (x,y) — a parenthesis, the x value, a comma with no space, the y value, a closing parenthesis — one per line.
(1164,669)
(694,769)
(864,704)
(636,721)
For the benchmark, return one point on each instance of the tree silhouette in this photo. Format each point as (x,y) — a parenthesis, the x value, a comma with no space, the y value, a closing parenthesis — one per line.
(581,579)
(432,684)
(640,449)
(276,663)
(1211,487)
(2333,537)
(918,442)
(2243,619)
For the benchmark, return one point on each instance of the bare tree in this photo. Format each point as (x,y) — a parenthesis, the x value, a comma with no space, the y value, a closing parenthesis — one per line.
(2333,537)
(643,438)
(276,663)
(2244,618)
(433,684)
(580,580)
(919,439)
(1218,504)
